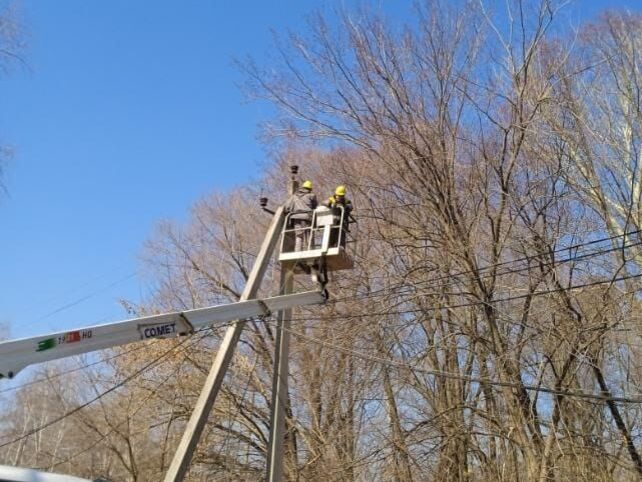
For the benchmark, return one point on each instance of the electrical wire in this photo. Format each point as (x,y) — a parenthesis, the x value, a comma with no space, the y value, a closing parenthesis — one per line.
(570,393)
(232,415)
(86,283)
(637,399)
(475,303)
(481,271)
(111,430)
(77,301)
(120,384)
(400,285)
(104,436)
(71,370)
(102,394)
(375,294)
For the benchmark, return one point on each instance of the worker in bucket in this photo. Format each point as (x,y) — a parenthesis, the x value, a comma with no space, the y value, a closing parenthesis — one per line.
(336,203)
(300,207)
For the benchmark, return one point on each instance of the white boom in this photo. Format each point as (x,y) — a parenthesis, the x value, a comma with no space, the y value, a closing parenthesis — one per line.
(18,354)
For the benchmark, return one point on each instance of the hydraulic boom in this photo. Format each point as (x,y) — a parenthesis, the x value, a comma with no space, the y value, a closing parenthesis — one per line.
(18,354)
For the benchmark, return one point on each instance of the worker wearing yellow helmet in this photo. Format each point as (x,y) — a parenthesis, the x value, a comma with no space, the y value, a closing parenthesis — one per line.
(339,199)
(300,207)
(342,207)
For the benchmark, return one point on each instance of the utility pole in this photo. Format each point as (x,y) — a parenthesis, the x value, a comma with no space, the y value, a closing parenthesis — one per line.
(279,406)
(183,455)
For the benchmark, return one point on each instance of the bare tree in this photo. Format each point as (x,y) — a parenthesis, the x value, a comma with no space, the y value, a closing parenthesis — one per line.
(489,328)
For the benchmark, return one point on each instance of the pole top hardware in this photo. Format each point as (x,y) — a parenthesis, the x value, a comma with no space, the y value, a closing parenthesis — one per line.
(263,202)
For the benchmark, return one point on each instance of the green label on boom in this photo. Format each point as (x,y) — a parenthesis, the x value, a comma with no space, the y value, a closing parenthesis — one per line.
(46,344)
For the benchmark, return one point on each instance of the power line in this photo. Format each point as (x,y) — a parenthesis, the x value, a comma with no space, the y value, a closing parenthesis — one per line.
(374,294)
(111,430)
(232,416)
(476,303)
(483,269)
(97,397)
(637,399)
(77,301)
(369,295)
(71,370)
(87,283)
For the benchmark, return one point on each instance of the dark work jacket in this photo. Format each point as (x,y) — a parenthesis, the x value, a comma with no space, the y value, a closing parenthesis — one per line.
(334,201)
(301,204)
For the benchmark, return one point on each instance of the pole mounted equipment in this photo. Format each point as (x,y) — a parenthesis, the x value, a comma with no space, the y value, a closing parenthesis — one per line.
(263,202)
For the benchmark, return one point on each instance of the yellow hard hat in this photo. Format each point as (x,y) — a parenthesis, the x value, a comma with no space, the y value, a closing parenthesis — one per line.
(307,184)
(340,191)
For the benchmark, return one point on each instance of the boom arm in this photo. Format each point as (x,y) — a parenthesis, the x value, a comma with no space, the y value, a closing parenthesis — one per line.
(18,354)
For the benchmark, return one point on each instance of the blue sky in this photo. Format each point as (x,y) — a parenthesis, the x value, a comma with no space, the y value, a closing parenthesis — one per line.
(127,114)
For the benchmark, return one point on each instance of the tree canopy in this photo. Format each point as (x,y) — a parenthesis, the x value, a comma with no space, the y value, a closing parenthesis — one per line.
(490,327)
